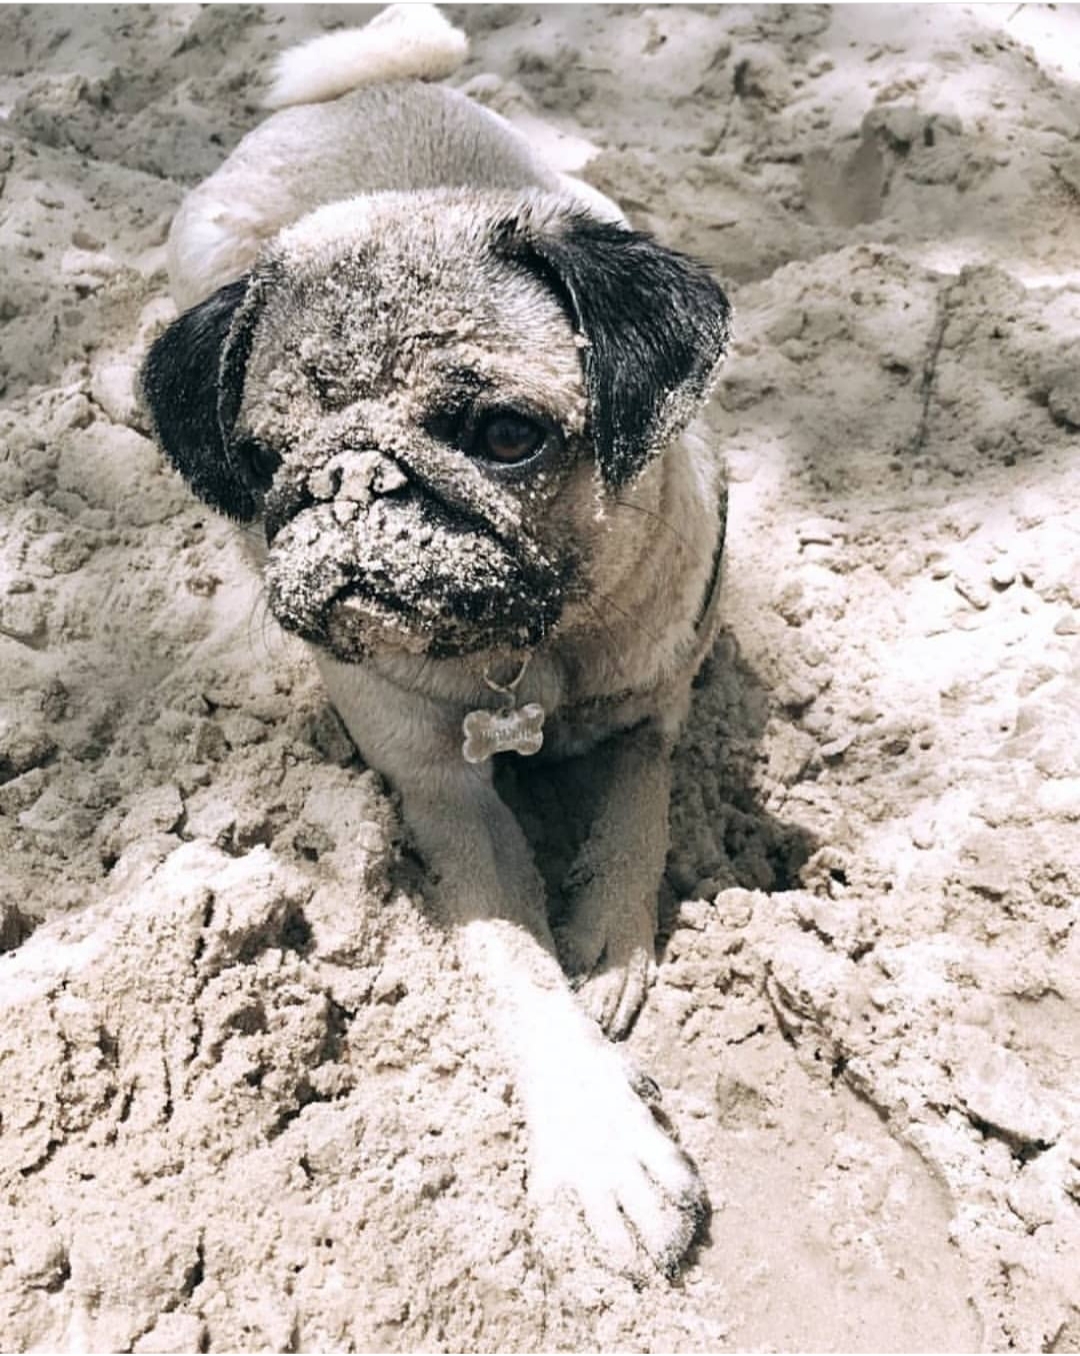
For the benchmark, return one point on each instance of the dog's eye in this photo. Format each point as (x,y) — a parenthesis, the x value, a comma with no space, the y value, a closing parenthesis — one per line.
(508,437)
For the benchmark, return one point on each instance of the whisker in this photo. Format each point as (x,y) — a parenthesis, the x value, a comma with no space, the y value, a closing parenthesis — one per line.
(421,669)
(636,621)
(262,634)
(659,518)
(609,638)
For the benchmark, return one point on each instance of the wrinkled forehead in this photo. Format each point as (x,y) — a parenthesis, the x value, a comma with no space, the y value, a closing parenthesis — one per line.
(382,291)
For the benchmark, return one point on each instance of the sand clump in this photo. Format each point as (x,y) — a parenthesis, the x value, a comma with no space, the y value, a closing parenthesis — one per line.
(247,1098)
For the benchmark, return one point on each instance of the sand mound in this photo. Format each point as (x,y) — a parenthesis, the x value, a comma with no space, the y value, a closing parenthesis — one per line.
(246,1098)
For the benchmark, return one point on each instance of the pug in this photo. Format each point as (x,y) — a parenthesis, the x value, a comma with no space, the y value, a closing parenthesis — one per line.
(460,399)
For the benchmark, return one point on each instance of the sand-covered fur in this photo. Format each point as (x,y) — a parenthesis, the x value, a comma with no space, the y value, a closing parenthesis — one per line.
(461,415)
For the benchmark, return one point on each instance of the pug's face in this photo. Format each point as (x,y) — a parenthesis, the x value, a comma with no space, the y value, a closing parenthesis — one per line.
(421,395)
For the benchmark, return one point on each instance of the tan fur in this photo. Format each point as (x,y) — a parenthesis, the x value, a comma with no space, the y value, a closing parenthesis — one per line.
(409,41)
(365,142)
(340,209)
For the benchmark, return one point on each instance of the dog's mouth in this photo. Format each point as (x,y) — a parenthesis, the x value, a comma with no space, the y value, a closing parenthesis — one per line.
(410,573)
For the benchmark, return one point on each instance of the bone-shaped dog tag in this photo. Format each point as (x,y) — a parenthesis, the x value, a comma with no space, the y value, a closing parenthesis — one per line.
(518,730)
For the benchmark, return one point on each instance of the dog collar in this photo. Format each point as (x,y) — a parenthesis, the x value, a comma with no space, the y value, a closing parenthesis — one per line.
(713,584)
(509,729)
(520,729)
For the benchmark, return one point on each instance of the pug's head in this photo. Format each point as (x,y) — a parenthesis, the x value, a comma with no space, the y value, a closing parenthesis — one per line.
(422,396)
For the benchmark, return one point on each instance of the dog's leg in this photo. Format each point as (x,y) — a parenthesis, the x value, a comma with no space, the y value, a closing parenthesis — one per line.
(607,943)
(591,1136)
(595,1146)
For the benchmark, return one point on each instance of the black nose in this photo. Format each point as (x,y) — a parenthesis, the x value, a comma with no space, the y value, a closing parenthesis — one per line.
(357,475)
(325,484)
(349,480)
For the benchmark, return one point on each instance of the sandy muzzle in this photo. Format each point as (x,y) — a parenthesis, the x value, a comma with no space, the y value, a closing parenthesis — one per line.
(409,573)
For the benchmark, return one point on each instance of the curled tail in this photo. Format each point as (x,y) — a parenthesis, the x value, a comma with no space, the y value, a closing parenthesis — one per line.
(406,41)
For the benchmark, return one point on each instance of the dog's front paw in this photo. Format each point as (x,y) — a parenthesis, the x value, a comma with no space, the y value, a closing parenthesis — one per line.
(598,1152)
(609,956)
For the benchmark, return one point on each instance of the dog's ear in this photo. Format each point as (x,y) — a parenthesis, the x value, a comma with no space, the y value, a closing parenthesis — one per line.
(655,325)
(192,383)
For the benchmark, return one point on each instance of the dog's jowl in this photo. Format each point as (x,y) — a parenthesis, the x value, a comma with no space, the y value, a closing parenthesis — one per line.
(458,395)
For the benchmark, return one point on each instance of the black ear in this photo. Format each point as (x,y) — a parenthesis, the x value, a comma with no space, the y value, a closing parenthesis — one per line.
(655,322)
(192,382)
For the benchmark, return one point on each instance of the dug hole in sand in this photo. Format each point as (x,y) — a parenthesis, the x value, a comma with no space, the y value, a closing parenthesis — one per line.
(247,1099)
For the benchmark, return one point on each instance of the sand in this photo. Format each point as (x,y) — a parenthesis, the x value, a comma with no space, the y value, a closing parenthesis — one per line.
(248,1099)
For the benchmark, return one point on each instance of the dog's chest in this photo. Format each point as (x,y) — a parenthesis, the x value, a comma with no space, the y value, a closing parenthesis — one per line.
(575,729)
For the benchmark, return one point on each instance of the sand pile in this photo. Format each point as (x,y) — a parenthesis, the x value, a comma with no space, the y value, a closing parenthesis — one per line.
(247,1101)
